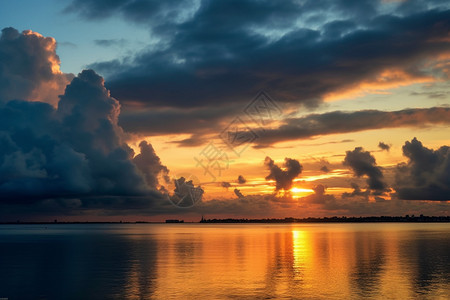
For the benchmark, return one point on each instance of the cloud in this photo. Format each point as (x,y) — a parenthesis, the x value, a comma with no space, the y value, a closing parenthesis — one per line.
(238,193)
(356,192)
(170,121)
(225,184)
(363,163)
(426,175)
(67,155)
(241,179)
(75,151)
(250,205)
(384,146)
(300,52)
(67,44)
(319,196)
(150,165)
(209,57)
(186,194)
(110,42)
(29,67)
(432,94)
(151,11)
(342,122)
(324,169)
(283,178)
(160,121)
(193,141)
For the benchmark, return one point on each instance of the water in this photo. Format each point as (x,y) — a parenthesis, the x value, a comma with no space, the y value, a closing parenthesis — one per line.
(230,261)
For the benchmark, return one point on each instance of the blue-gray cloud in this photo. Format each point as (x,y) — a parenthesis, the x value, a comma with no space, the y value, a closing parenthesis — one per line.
(74,151)
(426,175)
(73,157)
(363,163)
(216,52)
(342,122)
(29,67)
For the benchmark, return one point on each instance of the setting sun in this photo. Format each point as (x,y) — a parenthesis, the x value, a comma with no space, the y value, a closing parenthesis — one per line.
(300,192)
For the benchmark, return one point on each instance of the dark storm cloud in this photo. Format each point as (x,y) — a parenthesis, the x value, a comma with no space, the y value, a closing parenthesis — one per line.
(219,52)
(172,121)
(77,150)
(155,121)
(342,122)
(363,163)
(214,56)
(426,176)
(283,178)
(150,165)
(384,146)
(70,158)
(241,179)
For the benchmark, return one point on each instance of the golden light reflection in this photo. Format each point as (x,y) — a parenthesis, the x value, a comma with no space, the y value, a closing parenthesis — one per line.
(301,250)
(302,261)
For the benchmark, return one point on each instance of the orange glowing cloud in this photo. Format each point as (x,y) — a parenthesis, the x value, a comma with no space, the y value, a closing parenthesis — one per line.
(40,79)
(386,80)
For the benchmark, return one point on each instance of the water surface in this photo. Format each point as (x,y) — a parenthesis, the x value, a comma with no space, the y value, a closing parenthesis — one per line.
(229,261)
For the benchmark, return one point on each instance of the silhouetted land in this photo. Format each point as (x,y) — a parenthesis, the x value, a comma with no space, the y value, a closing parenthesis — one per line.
(373,219)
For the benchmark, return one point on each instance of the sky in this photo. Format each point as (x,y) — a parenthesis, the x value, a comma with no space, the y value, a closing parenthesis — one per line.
(147,110)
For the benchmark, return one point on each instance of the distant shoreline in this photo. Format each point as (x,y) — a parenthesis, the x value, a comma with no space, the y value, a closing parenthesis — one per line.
(373,219)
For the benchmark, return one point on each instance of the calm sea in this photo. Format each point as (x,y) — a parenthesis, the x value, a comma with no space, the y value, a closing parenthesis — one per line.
(230,261)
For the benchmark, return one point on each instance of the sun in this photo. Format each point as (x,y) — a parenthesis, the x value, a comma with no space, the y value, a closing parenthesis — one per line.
(298,192)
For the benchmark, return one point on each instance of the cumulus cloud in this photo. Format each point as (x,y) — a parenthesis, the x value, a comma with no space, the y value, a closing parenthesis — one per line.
(283,178)
(150,165)
(426,175)
(29,67)
(69,153)
(241,179)
(384,146)
(186,194)
(363,163)
(76,150)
